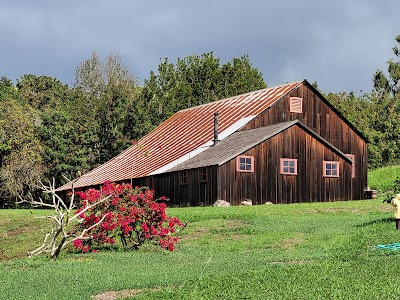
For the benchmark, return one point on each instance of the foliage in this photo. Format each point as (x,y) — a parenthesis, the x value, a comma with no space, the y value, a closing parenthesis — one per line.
(67,144)
(42,92)
(386,102)
(130,214)
(106,93)
(196,80)
(382,179)
(20,149)
(386,181)
(7,89)
(389,84)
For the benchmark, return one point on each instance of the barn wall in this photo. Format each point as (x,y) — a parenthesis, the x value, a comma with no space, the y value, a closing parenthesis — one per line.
(319,116)
(266,184)
(194,193)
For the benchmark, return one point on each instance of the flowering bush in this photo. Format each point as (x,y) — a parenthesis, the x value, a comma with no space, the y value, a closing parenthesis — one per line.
(130,214)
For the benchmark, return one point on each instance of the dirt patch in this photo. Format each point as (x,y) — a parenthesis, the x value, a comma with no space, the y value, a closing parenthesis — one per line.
(291,242)
(112,295)
(385,208)
(14,232)
(334,210)
(221,227)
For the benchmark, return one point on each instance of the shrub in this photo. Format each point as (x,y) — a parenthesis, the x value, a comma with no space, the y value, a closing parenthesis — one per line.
(130,214)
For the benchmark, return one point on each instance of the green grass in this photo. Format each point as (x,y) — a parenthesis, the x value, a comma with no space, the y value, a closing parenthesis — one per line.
(298,251)
(382,179)
(19,232)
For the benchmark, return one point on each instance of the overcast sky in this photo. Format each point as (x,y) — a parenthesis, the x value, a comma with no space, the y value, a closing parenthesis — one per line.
(340,43)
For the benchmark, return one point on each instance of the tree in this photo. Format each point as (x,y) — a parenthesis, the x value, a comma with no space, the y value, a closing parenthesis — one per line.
(67,145)
(391,84)
(386,101)
(240,77)
(42,92)
(107,93)
(7,89)
(195,80)
(20,150)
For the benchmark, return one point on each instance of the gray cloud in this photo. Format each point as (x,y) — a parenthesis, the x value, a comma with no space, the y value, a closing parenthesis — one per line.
(339,44)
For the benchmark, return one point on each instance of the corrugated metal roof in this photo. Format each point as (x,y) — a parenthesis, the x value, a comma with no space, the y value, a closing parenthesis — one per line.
(232,146)
(182,133)
(241,141)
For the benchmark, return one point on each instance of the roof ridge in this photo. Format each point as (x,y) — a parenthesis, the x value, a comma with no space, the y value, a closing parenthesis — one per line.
(244,94)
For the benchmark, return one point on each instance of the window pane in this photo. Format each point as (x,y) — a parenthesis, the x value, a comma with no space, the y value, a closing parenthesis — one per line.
(242,160)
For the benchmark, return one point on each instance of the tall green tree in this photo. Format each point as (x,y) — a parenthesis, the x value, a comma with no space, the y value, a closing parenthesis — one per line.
(21,163)
(42,92)
(196,80)
(67,146)
(389,83)
(386,100)
(107,94)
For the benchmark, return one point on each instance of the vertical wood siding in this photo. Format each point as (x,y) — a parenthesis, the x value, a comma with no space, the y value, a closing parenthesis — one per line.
(267,184)
(194,193)
(319,116)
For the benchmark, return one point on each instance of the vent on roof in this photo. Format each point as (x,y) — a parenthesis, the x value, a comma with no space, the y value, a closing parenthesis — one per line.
(296,105)
(216,140)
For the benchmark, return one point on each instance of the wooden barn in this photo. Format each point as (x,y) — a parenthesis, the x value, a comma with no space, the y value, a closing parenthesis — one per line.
(284,144)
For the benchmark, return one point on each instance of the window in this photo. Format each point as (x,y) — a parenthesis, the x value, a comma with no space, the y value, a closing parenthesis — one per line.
(288,166)
(183,177)
(151,182)
(296,105)
(245,164)
(353,169)
(331,169)
(202,174)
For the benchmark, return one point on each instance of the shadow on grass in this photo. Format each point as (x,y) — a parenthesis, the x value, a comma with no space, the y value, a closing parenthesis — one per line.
(378,221)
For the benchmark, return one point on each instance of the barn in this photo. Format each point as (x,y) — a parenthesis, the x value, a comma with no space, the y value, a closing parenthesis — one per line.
(285,144)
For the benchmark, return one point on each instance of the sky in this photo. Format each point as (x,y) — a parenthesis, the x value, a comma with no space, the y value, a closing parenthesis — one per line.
(339,44)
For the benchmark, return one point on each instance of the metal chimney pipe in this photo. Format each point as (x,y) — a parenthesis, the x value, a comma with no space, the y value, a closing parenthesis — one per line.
(216,140)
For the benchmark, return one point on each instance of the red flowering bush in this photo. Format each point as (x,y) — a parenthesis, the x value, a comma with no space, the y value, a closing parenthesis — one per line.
(130,215)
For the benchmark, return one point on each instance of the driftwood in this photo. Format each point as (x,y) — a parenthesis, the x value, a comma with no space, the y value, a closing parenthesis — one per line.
(62,220)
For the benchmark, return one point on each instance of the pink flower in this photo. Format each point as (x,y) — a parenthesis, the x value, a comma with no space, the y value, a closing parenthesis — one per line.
(78,243)
(145,227)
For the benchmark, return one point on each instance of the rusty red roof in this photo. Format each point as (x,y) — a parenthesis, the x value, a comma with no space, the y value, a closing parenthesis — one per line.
(180,135)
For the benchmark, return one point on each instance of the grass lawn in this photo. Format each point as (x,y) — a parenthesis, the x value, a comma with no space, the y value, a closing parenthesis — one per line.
(296,251)
(382,179)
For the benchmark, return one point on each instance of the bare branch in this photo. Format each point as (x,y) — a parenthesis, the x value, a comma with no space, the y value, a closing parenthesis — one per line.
(42,248)
(89,207)
(62,220)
